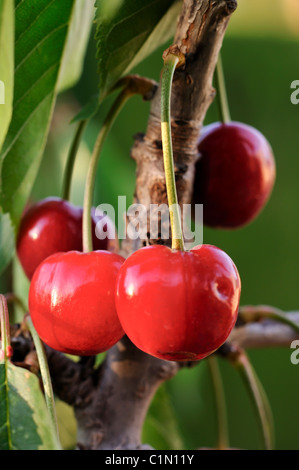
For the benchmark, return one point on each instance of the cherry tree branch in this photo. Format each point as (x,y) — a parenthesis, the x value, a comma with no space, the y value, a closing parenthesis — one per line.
(264,330)
(199,35)
(128,381)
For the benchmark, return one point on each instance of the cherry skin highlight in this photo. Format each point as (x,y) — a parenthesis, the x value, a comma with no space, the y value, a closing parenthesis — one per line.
(234,175)
(71,302)
(177,305)
(54,225)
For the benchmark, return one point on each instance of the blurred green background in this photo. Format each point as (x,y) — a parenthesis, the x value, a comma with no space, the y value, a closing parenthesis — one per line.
(261,58)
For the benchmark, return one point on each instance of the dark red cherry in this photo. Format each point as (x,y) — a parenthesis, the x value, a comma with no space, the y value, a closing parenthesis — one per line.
(54,225)
(234,175)
(178,305)
(71,301)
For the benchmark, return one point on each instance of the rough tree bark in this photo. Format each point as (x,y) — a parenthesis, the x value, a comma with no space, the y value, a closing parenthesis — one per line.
(199,35)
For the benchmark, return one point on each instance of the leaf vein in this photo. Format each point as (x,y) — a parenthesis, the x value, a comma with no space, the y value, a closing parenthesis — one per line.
(34,21)
(19,4)
(24,125)
(16,104)
(39,44)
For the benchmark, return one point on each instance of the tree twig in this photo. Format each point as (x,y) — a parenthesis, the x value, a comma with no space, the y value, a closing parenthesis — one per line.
(266,328)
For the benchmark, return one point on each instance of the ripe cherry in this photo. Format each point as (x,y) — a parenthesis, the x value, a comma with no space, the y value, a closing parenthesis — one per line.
(54,225)
(71,301)
(178,305)
(234,175)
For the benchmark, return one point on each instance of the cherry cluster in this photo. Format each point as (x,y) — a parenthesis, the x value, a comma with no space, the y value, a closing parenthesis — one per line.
(172,304)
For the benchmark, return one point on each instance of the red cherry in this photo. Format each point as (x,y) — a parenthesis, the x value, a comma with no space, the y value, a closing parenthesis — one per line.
(54,225)
(234,176)
(178,305)
(71,301)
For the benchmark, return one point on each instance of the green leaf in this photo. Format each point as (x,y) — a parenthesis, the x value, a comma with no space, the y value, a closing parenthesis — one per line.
(258,397)
(78,36)
(127,32)
(41,36)
(6,65)
(24,419)
(164,31)
(7,245)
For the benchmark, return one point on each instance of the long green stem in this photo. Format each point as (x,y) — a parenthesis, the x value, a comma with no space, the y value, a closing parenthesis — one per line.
(170,63)
(12,298)
(258,397)
(6,349)
(68,172)
(221,92)
(223,442)
(45,374)
(91,174)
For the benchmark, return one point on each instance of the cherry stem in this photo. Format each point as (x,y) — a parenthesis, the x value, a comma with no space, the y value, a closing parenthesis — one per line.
(45,374)
(257,393)
(132,84)
(223,442)
(14,299)
(171,62)
(68,172)
(6,349)
(92,169)
(221,92)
